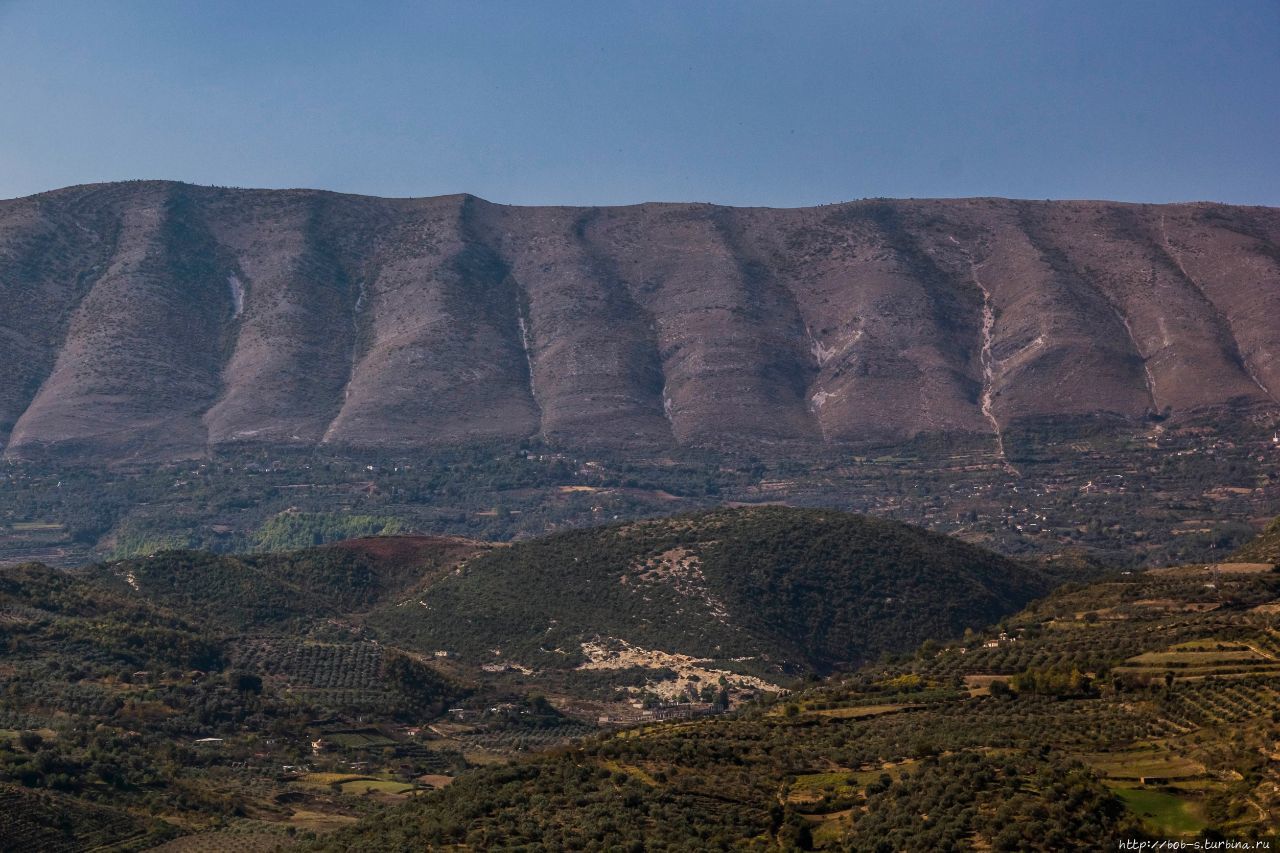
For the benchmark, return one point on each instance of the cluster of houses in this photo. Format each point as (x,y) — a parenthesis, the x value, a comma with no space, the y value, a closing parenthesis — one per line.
(672,711)
(1003,640)
(462,715)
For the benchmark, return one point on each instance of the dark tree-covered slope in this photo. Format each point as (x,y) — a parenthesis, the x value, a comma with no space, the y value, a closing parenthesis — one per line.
(1139,707)
(799,589)
(1263,549)
(52,613)
(243,593)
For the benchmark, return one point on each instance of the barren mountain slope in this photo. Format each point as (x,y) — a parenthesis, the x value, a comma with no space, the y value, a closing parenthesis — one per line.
(148,319)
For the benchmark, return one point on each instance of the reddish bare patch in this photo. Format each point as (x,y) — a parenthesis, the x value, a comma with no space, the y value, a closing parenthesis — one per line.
(411,548)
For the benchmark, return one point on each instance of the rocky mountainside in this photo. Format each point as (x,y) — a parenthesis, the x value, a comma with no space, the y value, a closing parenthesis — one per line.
(149,320)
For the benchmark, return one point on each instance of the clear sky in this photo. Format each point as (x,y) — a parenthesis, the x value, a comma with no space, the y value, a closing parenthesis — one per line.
(608,102)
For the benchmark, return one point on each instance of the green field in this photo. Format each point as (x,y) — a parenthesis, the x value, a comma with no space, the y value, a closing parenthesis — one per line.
(355,783)
(1163,812)
(37,526)
(381,786)
(861,712)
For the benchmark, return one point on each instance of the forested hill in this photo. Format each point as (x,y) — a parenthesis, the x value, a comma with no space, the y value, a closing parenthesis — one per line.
(1138,707)
(774,589)
(1263,549)
(788,589)
(242,593)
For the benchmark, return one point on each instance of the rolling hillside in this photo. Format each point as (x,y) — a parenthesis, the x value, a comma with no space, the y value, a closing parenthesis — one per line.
(763,590)
(49,614)
(270,591)
(275,691)
(126,721)
(769,589)
(1140,707)
(1264,549)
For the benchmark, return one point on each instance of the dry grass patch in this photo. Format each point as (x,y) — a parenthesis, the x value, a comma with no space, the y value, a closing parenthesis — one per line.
(861,712)
(1136,764)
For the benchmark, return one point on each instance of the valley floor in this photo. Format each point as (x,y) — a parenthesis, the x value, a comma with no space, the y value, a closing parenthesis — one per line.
(1168,493)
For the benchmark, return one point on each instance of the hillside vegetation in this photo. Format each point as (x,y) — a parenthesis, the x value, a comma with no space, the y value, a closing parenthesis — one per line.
(286,700)
(772,589)
(1263,549)
(243,593)
(1142,706)
(116,704)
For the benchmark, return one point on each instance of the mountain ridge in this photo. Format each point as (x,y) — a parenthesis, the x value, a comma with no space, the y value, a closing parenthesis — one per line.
(89,185)
(160,319)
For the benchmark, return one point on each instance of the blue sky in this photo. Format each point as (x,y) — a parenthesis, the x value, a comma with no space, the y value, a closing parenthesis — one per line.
(780,104)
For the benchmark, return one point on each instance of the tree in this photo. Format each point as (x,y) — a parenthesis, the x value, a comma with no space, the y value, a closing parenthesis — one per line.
(246,682)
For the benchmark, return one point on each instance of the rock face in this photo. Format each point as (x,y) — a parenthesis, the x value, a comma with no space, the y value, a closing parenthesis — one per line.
(151,320)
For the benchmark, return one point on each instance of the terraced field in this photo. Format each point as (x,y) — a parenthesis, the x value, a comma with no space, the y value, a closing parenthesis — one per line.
(1145,705)
(304,664)
(355,783)
(1154,764)
(1197,659)
(46,822)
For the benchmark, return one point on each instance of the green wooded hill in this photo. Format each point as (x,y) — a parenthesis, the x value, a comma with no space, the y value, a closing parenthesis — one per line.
(247,593)
(52,614)
(770,588)
(1263,549)
(116,706)
(1141,706)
